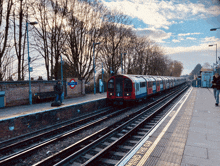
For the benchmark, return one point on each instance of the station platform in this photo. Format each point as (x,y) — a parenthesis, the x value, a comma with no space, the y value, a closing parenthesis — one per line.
(187,136)
(23,110)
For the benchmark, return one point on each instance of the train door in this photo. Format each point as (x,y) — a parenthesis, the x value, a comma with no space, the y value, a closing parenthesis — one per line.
(118,86)
(137,88)
(154,87)
(127,87)
(158,85)
(161,85)
(110,89)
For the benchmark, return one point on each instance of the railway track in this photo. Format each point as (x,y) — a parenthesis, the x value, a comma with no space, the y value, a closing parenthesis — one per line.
(15,151)
(110,144)
(20,147)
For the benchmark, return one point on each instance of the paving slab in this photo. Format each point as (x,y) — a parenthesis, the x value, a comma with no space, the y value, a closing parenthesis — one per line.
(192,138)
(9,112)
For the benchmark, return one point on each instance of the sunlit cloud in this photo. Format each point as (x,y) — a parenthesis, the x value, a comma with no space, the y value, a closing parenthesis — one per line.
(161,14)
(175,41)
(156,35)
(191,38)
(203,47)
(188,34)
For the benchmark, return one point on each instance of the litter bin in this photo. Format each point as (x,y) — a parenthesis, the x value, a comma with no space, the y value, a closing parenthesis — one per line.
(2,99)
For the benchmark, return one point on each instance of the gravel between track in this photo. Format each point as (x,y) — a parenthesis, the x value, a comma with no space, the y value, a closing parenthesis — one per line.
(56,147)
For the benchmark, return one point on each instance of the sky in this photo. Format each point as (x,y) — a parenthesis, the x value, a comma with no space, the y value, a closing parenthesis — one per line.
(180,27)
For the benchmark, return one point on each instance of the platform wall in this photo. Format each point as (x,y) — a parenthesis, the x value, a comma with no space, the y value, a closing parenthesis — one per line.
(25,124)
(17,92)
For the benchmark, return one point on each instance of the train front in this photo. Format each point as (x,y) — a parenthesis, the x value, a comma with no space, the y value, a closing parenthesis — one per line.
(120,88)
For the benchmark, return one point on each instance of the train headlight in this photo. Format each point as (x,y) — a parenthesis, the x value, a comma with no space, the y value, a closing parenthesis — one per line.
(128,94)
(111,94)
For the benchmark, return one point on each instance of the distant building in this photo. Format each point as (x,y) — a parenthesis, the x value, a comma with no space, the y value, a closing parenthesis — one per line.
(206,77)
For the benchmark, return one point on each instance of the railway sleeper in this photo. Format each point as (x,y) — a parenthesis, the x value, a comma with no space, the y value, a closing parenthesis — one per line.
(137,137)
(87,156)
(144,130)
(121,154)
(97,149)
(120,134)
(125,148)
(109,161)
(106,143)
(114,138)
(76,164)
(141,133)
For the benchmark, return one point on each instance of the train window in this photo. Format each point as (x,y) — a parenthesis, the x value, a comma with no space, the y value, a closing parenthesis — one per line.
(119,85)
(127,85)
(111,85)
(158,83)
(143,84)
(137,87)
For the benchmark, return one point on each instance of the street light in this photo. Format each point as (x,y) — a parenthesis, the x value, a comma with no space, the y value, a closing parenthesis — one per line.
(214,29)
(30,94)
(121,63)
(216,51)
(94,44)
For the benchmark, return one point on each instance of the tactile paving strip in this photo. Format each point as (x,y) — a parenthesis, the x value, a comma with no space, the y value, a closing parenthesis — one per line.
(170,148)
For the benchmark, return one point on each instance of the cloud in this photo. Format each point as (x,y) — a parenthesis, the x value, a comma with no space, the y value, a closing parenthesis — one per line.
(203,47)
(162,14)
(191,38)
(188,34)
(154,34)
(175,41)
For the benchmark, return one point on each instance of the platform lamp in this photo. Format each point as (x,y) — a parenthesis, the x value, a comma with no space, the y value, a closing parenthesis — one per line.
(30,94)
(214,29)
(94,44)
(216,51)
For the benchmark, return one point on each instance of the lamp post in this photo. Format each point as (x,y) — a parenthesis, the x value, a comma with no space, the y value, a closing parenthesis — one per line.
(94,44)
(216,51)
(102,79)
(122,62)
(30,94)
(62,96)
(214,29)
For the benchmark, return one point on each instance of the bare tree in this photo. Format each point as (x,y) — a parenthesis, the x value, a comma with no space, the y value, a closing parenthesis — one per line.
(41,14)
(4,35)
(58,34)
(84,31)
(115,32)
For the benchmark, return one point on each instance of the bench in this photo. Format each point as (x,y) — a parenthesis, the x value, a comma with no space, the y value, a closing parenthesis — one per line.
(44,96)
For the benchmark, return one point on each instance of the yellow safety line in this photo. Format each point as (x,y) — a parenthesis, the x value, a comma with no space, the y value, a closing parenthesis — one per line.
(150,150)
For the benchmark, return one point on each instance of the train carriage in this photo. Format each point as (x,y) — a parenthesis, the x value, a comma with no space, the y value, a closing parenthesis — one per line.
(127,87)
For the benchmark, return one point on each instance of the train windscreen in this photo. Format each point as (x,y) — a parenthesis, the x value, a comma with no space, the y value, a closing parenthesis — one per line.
(119,86)
(111,85)
(127,85)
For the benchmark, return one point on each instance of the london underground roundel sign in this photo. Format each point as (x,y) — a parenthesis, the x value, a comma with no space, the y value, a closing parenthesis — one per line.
(72,83)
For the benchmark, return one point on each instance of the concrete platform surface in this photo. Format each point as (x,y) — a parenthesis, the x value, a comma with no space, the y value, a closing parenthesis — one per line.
(9,112)
(188,136)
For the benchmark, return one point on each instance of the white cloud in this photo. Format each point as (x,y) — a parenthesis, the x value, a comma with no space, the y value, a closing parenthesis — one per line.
(191,38)
(161,14)
(156,35)
(188,34)
(203,47)
(184,34)
(175,41)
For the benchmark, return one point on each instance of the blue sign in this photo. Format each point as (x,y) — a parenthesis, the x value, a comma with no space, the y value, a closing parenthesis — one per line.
(72,83)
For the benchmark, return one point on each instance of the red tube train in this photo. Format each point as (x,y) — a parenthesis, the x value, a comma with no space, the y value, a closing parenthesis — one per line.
(125,87)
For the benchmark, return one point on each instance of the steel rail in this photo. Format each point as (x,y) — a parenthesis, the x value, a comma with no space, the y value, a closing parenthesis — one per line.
(28,151)
(75,155)
(60,155)
(5,143)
